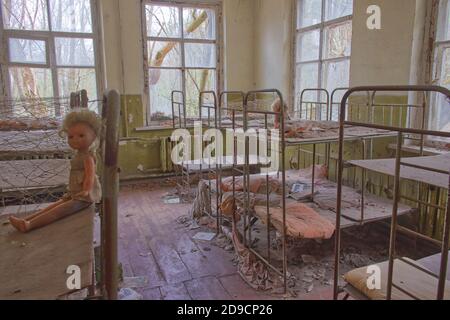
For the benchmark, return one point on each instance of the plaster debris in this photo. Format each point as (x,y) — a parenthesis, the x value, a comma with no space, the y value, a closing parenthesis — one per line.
(135,282)
(129,294)
(204,236)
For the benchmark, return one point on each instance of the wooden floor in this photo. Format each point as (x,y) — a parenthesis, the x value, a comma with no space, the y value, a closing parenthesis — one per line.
(154,245)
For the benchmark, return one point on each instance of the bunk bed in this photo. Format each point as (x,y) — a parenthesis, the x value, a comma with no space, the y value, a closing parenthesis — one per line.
(402,278)
(35,265)
(363,209)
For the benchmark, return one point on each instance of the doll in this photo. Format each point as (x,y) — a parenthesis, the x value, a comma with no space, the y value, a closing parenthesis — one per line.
(82,128)
(276,107)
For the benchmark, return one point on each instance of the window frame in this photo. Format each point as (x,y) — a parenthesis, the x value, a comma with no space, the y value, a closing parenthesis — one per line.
(181,40)
(321,61)
(439,47)
(49,37)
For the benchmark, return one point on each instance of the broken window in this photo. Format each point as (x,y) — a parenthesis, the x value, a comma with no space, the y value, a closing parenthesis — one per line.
(323,47)
(50,48)
(440,115)
(182,54)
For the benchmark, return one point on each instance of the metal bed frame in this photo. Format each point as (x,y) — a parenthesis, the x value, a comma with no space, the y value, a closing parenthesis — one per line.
(401,133)
(297,143)
(178,108)
(183,170)
(247,223)
(224,107)
(313,109)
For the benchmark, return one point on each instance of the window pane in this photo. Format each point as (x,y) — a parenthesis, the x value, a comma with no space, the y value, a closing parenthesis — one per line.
(71,15)
(445,73)
(74,52)
(309,12)
(200,55)
(443,33)
(28,83)
(442,120)
(162,83)
(197,81)
(25,14)
(72,79)
(164,54)
(27,51)
(307,78)
(162,21)
(335,75)
(338,8)
(308,46)
(338,41)
(199,23)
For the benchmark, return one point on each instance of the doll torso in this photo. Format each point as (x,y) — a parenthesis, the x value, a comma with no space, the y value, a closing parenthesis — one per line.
(76,179)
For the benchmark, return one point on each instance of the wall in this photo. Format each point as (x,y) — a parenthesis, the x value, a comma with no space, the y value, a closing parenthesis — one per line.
(382,56)
(123,52)
(273,45)
(239,50)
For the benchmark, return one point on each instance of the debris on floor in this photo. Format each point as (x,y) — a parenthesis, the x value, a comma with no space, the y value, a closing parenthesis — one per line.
(202,202)
(204,236)
(134,282)
(129,294)
(170,199)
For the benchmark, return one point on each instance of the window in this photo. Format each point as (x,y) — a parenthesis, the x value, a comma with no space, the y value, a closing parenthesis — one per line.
(440,115)
(50,48)
(323,46)
(182,53)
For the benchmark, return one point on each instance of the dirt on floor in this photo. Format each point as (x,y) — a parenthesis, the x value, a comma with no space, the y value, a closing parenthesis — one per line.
(310,262)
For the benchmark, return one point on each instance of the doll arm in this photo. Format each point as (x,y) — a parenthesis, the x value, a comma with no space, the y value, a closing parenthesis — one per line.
(89,174)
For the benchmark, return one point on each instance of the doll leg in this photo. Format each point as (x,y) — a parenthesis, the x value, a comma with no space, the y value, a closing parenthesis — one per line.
(20,223)
(58,212)
(53,205)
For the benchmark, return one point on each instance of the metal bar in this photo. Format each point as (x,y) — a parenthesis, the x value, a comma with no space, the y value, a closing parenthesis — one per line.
(340,171)
(110,196)
(403,130)
(280,114)
(444,254)
(423,203)
(320,103)
(404,291)
(363,182)
(393,235)
(313,173)
(419,267)
(418,235)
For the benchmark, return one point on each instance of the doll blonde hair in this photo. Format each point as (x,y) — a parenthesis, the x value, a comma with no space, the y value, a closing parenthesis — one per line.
(82,116)
(85,116)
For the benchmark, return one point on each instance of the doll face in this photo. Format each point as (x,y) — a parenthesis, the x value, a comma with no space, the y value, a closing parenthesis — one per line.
(80,136)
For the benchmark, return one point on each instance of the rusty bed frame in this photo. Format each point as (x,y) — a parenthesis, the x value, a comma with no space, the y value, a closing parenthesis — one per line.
(298,143)
(397,164)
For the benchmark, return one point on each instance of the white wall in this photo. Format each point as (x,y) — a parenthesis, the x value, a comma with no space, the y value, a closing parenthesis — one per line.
(273,45)
(258,37)
(123,51)
(382,57)
(239,39)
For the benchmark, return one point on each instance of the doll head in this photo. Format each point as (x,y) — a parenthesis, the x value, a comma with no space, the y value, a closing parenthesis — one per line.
(82,128)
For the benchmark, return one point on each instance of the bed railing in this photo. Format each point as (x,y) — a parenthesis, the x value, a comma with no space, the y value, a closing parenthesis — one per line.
(402,132)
